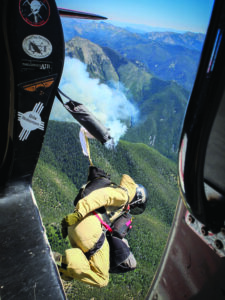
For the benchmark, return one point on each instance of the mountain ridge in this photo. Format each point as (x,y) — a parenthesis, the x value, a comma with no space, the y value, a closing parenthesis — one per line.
(156,51)
(84,50)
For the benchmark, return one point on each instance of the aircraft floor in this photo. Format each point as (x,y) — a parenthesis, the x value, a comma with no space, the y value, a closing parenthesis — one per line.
(27,269)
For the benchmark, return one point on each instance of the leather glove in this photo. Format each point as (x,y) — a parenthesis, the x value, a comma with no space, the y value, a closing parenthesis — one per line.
(69,220)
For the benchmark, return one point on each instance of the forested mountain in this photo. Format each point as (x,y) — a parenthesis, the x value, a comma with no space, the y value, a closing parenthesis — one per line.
(161,103)
(168,55)
(62,169)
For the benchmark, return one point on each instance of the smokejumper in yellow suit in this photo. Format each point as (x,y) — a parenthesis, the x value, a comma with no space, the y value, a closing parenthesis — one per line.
(85,231)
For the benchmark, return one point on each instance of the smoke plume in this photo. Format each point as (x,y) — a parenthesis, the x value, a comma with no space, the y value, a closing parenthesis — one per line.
(109,104)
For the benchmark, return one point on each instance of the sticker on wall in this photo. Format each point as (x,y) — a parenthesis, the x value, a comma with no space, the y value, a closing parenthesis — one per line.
(33,65)
(37,46)
(40,88)
(35,12)
(30,121)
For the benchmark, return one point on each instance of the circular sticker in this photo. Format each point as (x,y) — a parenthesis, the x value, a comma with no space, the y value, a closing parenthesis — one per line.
(35,12)
(37,46)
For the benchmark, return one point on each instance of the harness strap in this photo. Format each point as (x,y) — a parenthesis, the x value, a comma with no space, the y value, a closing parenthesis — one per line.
(107,227)
(96,247)
(128,197)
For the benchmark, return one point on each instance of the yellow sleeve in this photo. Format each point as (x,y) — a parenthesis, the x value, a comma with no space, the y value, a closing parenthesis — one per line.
(108,196)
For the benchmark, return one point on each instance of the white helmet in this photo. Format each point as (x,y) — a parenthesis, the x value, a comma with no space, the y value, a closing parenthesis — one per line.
(138,204)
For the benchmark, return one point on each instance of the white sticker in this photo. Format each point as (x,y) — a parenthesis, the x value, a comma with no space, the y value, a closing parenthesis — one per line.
(37,46)
(30,121)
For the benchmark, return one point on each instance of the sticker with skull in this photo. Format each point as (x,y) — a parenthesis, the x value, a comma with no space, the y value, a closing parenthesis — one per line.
(34,12)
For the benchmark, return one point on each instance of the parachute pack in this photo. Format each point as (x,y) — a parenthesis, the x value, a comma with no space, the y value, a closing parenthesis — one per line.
(122,225)
(97,179)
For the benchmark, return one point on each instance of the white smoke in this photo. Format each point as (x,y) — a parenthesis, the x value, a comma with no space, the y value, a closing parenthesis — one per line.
(107,103)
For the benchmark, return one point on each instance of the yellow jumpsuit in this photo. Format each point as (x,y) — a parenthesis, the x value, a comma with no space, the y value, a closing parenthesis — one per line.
(84,235)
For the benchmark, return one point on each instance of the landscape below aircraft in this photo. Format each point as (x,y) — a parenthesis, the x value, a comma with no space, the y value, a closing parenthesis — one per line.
(193,265)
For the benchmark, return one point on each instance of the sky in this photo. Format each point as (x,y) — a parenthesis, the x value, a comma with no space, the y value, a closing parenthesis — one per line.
(183,15)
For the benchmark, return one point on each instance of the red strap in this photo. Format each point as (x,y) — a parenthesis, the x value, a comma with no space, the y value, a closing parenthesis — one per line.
(107,227)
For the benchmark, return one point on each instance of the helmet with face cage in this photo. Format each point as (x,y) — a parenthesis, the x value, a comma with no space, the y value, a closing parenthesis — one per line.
(138,204)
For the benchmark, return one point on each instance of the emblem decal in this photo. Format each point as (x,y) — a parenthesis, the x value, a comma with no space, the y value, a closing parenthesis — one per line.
(30,121)
(37,46)
(39,89)
(35,12)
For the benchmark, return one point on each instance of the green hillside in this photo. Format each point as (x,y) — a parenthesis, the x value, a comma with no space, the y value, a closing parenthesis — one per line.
(61,170)
(161,119)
